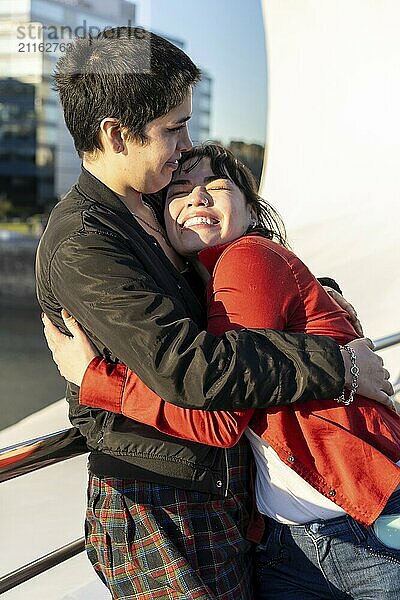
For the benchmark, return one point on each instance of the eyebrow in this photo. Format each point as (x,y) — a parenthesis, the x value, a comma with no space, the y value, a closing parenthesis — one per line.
(205,180)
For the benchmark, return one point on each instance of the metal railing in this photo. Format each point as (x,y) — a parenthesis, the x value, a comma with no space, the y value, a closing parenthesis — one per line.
(387,341)
(40,452)
(36,567)
(30,456)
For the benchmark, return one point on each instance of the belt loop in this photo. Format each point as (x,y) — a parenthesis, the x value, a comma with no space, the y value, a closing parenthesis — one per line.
(269,528)
(280,533)
(393,504)
(359,531)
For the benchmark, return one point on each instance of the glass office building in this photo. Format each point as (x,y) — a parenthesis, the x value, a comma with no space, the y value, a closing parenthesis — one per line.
(18,180)
(200,123)
(38,162)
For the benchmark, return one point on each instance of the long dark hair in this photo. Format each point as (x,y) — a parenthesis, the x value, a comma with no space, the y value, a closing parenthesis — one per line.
(224,164)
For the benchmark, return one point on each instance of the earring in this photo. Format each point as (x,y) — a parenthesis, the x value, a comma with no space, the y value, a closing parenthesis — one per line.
(253,223)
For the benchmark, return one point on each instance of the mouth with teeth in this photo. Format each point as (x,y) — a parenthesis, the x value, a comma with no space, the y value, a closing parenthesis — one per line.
(199,222)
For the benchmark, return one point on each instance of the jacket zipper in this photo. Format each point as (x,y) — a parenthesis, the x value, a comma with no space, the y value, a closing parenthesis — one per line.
(227,472)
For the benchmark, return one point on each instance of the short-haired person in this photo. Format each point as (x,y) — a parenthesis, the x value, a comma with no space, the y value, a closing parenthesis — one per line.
(327,479)
(163,514)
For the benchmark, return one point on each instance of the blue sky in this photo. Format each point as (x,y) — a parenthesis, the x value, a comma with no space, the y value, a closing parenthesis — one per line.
(226,38)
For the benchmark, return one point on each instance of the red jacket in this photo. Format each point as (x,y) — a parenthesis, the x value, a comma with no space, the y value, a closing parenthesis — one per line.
(346,453)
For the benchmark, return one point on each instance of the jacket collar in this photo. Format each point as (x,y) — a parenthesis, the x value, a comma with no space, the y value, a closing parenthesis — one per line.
(92,188)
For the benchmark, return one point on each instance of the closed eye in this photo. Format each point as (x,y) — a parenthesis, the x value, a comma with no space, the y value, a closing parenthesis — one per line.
(177,128)
(178,193)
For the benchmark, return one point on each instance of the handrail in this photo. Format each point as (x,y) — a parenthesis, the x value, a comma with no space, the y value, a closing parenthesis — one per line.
(30,456)
(38,566)
(385,342)
(40,452)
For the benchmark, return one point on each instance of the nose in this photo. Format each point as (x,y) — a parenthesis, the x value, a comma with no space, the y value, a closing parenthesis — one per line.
(199,197)
(184,141)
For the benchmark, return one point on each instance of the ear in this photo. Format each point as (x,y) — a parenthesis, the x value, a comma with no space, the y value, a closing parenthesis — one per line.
(112,135)
(253,221)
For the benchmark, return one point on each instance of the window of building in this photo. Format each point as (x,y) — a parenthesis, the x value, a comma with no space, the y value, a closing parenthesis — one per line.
(48,12)
(13,8)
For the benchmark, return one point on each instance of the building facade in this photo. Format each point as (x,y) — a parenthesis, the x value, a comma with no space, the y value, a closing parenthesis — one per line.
(18,143)
(200,123)
(33,34)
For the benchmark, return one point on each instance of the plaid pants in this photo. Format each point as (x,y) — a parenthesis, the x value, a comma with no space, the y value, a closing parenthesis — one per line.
(152,541)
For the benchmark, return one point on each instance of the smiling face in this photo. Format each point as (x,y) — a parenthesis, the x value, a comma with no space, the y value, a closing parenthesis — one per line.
(204,210)
(149,167)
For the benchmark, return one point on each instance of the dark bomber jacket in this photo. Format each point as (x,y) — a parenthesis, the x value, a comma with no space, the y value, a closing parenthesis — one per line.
(96,261)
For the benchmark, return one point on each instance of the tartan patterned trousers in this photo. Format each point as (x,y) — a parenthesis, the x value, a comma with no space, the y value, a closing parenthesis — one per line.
(153,541)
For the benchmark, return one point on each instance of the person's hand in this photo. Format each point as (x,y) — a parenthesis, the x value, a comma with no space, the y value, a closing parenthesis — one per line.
(72,355)
(349,308)
(373,380)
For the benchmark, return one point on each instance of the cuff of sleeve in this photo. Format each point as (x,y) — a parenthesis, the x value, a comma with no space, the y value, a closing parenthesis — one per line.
(103,385)
(331,365)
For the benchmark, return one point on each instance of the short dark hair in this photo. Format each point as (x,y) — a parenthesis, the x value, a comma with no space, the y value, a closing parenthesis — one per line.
(104,77)
(224,164)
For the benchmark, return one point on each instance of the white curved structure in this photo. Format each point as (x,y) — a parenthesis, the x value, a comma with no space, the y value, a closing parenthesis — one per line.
(333,139)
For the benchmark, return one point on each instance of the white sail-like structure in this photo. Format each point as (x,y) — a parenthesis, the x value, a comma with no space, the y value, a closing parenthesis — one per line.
(333,137)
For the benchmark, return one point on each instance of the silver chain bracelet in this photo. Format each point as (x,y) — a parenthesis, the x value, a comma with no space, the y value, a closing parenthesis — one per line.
(355,372)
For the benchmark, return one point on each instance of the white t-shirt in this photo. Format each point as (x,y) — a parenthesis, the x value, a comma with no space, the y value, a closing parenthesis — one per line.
(281,493)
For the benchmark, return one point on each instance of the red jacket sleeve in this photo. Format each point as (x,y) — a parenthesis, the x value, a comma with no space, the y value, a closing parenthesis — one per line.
(115,388)
(249,288)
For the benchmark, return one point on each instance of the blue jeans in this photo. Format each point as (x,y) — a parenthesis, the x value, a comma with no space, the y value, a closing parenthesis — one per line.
(337,559)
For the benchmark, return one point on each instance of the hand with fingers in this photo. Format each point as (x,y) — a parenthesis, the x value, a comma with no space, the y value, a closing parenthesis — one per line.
(349,308)
(72,355)
(373,379)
